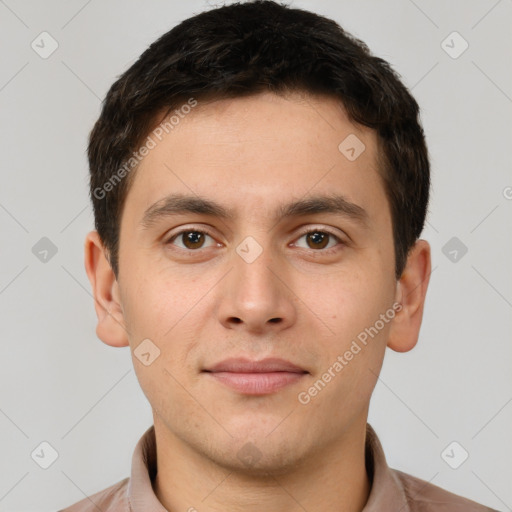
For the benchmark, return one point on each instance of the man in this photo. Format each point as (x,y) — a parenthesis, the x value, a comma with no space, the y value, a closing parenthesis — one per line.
(260,182)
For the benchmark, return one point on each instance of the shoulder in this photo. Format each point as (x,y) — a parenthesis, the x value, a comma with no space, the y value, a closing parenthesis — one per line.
(113,498)
(423,496)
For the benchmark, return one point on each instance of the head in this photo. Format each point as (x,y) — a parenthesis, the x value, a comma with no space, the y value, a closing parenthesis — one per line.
(298,166)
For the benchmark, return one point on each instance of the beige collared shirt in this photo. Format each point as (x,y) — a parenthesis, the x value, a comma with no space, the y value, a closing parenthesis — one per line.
(391,490)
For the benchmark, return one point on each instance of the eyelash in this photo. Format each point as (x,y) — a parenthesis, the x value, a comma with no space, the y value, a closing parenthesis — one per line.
(309,231)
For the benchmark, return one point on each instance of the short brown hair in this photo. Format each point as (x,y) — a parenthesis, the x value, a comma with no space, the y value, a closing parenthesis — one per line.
(243,49)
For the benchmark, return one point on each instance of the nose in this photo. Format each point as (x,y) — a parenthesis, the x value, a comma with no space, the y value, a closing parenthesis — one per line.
(257,296)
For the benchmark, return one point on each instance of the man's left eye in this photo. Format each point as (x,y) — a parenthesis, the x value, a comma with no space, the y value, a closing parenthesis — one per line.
(318,239)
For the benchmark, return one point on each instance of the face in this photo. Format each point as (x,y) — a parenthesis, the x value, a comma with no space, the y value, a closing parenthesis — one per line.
(254,314)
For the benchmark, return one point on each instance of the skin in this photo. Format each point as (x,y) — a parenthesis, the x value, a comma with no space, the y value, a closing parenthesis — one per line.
(295,301)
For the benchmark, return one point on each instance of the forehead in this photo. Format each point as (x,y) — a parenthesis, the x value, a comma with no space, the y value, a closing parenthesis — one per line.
(253,153)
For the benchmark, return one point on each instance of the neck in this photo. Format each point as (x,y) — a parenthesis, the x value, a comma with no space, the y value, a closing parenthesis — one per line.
(334,478)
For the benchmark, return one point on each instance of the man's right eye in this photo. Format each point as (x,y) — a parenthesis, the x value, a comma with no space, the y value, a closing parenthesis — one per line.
(191,239)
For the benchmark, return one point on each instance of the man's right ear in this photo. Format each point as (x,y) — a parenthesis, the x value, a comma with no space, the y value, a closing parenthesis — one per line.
(111,327)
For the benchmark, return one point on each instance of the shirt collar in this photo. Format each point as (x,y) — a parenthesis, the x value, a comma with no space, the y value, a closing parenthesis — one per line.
(386,492)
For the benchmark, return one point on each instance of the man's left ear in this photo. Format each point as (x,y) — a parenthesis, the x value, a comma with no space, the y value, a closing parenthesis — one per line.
(411,289)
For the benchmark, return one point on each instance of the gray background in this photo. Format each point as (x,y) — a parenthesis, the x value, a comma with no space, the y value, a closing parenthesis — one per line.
(60,384)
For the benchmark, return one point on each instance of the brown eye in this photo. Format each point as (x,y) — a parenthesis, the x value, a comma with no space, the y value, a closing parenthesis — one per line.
(190,239)
(318,240)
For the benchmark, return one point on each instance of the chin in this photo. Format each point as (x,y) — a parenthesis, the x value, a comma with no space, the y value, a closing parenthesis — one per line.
(263,465)
(261,456)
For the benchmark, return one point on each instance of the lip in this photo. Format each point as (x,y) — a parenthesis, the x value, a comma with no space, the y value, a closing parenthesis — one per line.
(256,377)
(244,365)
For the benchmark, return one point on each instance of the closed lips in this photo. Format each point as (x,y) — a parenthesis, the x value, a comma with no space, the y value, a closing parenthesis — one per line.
(242,365)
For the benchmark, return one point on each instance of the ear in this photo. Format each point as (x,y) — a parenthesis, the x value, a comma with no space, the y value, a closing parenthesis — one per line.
(111,327)
(411,289)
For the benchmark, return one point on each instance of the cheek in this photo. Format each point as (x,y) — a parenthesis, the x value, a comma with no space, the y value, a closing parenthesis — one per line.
(158,312)
(347,301)
(157,301)
(169,310)
(351,306)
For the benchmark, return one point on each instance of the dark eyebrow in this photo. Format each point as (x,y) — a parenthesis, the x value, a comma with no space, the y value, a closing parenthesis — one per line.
(175,204)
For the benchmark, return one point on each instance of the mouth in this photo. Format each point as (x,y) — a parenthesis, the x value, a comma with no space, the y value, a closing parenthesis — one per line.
(256,377)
